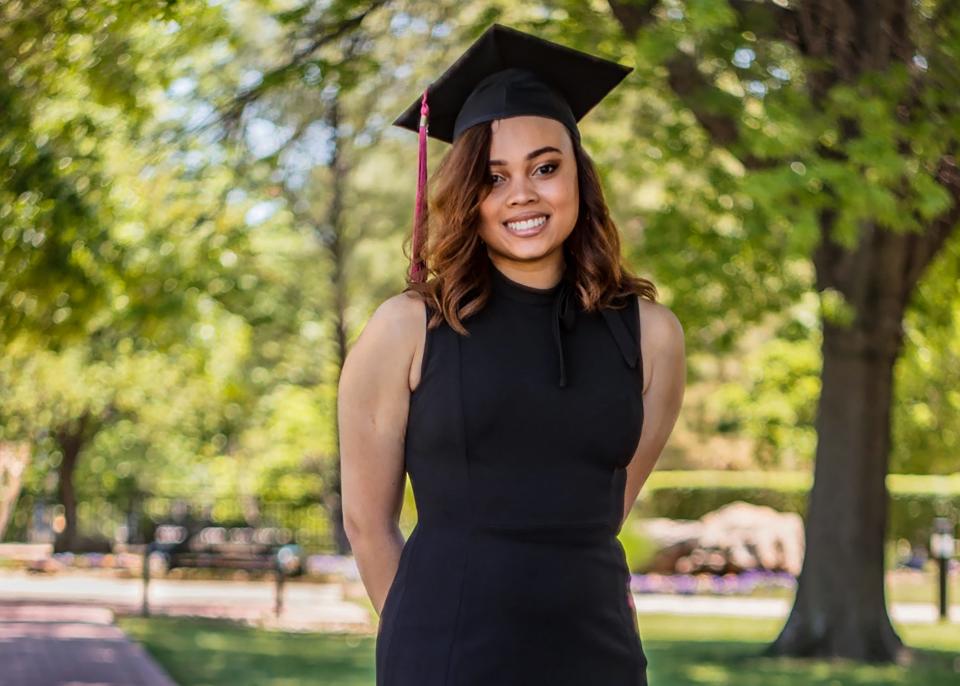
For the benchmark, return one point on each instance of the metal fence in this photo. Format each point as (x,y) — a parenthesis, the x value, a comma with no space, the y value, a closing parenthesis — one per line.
(101,523)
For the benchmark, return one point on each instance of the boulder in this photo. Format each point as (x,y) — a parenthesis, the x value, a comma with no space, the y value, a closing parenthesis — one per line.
(735,538)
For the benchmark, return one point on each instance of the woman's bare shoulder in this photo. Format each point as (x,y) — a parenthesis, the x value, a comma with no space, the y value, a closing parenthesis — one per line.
(399,318)
(659,323)
(661,336)
(659,317)
(382,357)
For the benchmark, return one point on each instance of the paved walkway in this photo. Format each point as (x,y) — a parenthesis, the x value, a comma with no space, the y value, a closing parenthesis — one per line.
(306,606)
(314,606)
(66,645)
(772,608)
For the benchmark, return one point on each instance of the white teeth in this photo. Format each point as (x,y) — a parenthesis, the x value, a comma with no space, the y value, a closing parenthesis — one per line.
(526,224)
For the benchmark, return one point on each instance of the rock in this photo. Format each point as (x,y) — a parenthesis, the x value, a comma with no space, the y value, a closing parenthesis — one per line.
(735,538)
(674,539)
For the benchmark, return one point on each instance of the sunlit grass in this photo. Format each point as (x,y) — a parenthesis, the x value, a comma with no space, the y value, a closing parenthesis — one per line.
(682,650)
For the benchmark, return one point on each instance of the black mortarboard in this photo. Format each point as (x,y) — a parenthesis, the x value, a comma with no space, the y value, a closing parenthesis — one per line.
(505,73)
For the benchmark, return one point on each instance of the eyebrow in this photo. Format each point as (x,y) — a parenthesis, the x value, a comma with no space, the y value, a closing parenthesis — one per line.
(530,155)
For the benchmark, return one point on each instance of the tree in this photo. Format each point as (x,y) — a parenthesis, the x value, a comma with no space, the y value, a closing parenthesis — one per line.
(329,84)
(830,128)
(14,458)
(90,276)
(75,78)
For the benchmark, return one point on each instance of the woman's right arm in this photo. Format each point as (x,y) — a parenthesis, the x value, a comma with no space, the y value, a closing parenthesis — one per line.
(373,398)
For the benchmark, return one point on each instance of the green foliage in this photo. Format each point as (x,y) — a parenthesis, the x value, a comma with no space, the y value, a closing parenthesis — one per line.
(926,416)
(75,82)
(638,548)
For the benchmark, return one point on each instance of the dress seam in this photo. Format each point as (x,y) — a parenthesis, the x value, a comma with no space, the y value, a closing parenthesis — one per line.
(466,557)
(456,621)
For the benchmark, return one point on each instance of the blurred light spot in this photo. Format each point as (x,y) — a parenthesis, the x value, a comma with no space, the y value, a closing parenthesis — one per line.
(265,138)
(312,331)
(779,73)
(441,30)
(743,57)
(260,212)
(251,78)
(182,86)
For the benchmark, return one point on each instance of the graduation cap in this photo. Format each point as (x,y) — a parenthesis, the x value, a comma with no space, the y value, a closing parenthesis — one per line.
(504,73)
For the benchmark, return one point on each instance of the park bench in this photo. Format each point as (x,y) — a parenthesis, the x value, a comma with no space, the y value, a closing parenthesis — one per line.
(217,547)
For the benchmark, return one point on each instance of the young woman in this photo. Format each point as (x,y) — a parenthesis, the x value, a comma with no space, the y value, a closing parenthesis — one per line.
(515,389)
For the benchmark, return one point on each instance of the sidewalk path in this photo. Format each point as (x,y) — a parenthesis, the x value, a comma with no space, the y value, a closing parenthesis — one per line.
(773,608)
(306,606)
(64,645)
(311,606)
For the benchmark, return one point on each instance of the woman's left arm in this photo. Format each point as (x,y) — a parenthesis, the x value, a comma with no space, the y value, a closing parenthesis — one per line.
(662,347)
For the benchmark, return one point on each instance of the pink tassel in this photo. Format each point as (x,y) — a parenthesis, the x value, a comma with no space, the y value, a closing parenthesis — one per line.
(417,266)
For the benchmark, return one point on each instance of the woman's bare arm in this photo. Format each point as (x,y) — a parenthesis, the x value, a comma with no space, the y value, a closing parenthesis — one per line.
(663,350)
(373,400)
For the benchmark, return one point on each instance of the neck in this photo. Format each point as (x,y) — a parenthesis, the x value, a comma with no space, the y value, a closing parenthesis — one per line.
(535,275)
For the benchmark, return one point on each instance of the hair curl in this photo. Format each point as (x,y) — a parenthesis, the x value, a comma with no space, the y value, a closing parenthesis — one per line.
(457,259)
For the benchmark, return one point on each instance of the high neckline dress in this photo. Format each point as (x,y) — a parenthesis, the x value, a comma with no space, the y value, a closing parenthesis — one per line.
(517,441)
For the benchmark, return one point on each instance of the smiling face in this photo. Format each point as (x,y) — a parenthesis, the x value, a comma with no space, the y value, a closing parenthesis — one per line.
(534,196)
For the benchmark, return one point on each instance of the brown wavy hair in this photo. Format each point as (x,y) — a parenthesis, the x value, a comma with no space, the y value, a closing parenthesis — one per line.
(457,265)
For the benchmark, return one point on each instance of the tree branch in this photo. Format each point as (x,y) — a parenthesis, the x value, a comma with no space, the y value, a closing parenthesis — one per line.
(321,34)
(767,20)
(715,110)
(633,16)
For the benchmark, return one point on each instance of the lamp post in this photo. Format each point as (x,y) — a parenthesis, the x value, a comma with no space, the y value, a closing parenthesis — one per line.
(942,548)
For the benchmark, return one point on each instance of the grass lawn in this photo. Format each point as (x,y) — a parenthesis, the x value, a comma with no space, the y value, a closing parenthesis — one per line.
(681,651)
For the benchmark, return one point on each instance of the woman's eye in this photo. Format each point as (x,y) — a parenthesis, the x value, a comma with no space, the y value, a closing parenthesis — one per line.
(550,167)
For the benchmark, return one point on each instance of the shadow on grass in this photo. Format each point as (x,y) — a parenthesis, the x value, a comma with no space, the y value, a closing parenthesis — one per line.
(695,651)
(672,663)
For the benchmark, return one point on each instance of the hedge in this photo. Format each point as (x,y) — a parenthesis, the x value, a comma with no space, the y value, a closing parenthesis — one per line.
(915,499)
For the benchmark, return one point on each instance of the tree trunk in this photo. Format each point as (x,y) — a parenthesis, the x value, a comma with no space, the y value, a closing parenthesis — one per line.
(71,441)
(840,607)
(339,173)
(14,458)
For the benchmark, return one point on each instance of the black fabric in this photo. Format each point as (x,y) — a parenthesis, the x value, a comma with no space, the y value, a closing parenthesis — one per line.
(506,73)
(511,93)
(513,574)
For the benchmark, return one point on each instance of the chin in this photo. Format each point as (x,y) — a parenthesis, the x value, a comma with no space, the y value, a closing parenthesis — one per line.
(528,252)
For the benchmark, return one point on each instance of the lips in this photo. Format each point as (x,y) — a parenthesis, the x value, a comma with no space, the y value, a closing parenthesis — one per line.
(525,216)
(524,224)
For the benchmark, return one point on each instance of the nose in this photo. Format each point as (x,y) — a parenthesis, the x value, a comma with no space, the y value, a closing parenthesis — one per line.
(521,191)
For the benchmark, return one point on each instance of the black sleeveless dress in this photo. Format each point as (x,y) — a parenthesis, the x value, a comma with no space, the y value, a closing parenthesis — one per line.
(516,445)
